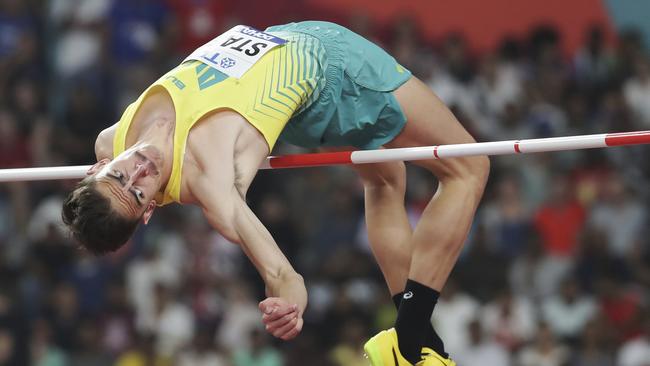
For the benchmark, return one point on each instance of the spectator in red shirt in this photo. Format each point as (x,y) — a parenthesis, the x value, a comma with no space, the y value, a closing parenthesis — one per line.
(620,307)
(196,22)
(560,219)
(14,149)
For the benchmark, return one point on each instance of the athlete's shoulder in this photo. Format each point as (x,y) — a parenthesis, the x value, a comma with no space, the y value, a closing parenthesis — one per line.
(104,143)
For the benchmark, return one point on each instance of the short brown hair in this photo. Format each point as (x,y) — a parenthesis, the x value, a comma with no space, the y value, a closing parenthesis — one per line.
(93,222)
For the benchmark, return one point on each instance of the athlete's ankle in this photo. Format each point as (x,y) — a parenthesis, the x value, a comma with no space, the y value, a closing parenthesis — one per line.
(414,319)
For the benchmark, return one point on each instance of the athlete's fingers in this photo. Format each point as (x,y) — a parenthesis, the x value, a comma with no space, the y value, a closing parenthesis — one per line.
(268,304)
(282,331)
(279,323)
(279,312)
(294,332)
(277,315)
(271,303)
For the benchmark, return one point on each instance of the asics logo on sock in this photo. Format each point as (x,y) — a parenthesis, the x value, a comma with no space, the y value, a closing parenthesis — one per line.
(408,295)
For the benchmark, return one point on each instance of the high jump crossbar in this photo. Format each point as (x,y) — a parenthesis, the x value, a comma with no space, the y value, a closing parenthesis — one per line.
(509,147)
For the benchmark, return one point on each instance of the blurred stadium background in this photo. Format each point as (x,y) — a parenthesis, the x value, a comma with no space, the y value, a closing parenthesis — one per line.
(557,267)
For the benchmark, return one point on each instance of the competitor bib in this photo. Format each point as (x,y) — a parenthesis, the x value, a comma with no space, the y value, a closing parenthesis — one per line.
(237,50)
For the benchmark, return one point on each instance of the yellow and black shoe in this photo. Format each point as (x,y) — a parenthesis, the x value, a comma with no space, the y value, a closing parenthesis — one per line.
(432,358)
(383,350)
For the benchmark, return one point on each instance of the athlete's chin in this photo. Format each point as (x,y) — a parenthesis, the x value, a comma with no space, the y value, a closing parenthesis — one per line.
(152,187)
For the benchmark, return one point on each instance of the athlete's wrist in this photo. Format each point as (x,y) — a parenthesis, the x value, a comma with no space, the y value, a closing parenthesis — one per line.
(281,279)
(290,286)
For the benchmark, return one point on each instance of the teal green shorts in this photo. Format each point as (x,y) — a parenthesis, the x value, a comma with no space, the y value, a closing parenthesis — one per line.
(356,106)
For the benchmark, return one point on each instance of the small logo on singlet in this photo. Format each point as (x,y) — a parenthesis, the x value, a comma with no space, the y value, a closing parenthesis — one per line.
(174,80)
(408,295)
(227,62)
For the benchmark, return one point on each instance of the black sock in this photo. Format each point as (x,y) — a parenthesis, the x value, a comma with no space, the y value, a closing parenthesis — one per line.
(397,299)
(431,338)
(414,319)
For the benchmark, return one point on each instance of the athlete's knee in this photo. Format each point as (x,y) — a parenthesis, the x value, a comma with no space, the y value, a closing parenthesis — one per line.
(479,171)
(383,176)
(474,174)
(469,173)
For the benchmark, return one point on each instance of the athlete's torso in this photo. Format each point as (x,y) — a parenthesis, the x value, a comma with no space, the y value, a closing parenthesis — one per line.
(279,85)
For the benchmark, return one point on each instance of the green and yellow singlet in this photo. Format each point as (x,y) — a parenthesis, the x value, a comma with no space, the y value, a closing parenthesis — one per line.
(283,82)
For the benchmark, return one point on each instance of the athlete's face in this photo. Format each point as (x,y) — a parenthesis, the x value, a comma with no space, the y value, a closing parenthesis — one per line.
(130,181)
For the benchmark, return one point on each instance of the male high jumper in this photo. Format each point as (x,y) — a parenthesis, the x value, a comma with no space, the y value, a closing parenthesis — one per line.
(199,134)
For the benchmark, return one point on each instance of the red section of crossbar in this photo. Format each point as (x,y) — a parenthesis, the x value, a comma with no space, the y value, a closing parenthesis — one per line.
(301,160)
(627,138)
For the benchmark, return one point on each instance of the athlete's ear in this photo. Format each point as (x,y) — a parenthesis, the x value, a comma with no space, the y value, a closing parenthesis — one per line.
(97,166)
(148,212)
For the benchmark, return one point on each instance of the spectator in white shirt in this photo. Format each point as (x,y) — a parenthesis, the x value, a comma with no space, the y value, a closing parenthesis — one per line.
(636,352)
(481,350)
(172,322)
(619,215)
(545,351)
(454,311)
(637,90)
(567,312)
(511,320)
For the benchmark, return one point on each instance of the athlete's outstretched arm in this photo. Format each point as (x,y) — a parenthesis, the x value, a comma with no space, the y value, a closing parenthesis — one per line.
(230,215)
(222,168)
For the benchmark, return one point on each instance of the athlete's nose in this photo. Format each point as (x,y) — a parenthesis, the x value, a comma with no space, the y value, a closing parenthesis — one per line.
(140,171)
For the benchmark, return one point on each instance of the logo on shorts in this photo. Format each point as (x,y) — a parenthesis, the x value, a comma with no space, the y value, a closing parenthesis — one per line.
(227,62)
(408,295)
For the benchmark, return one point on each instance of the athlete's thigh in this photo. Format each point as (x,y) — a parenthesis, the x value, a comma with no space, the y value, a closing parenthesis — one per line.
(429,122)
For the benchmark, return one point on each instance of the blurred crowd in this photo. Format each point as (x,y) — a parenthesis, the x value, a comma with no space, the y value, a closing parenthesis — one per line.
(556,270)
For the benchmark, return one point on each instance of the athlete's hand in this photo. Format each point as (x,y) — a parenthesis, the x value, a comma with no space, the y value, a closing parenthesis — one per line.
(282,319)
